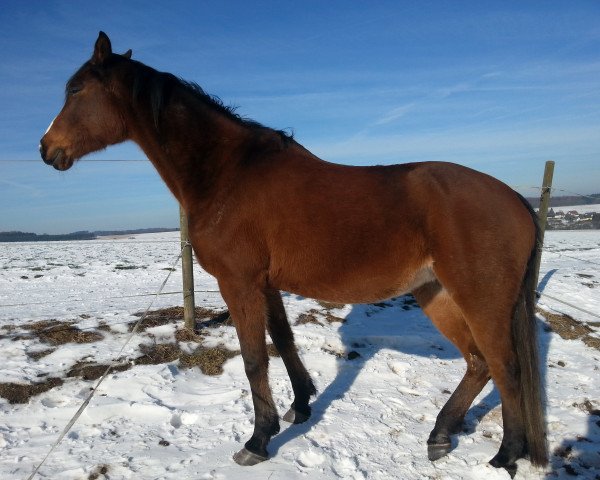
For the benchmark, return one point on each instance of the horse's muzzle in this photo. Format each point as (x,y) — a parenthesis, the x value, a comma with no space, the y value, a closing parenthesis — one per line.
(58,159)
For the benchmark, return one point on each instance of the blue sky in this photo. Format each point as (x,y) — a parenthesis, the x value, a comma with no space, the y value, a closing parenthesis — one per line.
(498,86)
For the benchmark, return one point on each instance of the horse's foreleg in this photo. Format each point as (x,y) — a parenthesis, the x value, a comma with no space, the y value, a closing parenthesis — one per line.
(248,308)
(283,339)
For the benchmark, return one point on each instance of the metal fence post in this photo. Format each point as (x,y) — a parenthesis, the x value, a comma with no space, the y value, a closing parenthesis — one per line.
(187,267)
(543,214)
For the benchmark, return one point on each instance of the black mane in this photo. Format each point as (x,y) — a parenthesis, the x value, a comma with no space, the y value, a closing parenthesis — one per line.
(159,86)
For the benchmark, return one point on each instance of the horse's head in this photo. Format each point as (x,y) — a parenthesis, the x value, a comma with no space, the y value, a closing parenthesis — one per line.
(93,115)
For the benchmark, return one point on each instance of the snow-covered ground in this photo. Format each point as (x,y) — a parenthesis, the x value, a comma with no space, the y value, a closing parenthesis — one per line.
(371,417)
(580,208)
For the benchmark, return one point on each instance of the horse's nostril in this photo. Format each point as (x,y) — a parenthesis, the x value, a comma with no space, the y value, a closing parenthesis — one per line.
(42,149)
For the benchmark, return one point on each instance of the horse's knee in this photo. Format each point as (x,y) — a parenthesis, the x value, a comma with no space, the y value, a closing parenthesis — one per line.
(254,367)
(477,367)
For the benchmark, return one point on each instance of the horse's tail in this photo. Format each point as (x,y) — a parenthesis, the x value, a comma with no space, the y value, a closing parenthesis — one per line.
(524,336)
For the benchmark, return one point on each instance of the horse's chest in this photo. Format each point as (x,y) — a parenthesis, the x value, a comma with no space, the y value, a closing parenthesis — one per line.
(207,255)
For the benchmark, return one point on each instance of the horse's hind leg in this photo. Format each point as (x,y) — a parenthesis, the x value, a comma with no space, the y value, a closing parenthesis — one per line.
(504,371)
(448,318)
(283,339)
(489,332)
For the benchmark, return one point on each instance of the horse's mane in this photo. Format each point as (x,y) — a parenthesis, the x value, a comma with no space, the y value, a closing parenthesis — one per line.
(159,86)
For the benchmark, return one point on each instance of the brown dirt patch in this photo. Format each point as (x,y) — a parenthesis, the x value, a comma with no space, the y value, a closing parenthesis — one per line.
(55,332)
(569,328)
(104,327)
(588,406)
(334,319)
(333,352)
(186,335)
(593,342)
(93,371)
(309,317)
(330,305)
(36,355)
(7,329)
(21,393)
(209,360)
(203,316)
(158,353)
(313,315)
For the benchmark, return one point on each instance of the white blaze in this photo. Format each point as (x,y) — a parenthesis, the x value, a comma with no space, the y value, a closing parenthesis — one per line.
(49,126)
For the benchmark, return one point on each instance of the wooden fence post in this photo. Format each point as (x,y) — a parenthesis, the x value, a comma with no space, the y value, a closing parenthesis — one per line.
(543,214)
(187,267)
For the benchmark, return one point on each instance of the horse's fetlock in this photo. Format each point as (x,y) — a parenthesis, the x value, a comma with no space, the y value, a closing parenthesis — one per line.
(275,428)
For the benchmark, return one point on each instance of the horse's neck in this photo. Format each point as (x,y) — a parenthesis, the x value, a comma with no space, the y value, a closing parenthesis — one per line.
(191,150)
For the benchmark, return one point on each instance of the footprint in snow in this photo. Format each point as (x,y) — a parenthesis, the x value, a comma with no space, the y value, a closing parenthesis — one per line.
(346,467)
(176,421)
(310,459)
(54,402)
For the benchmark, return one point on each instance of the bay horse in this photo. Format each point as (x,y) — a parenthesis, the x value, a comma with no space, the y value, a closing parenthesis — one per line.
(266,215)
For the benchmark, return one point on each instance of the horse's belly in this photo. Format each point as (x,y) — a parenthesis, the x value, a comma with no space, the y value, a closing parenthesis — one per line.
(353,285)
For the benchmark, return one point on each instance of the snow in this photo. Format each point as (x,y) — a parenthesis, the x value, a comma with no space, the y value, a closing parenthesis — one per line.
(371,417)
(579,208)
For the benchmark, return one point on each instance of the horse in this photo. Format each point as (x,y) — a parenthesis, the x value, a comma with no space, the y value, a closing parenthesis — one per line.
(266,215)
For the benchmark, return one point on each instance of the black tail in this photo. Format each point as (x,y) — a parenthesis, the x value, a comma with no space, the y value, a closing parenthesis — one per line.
(524,335)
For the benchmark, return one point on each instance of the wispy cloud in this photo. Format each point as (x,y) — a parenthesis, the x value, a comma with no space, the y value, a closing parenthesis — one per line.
(24,188)
(395,113)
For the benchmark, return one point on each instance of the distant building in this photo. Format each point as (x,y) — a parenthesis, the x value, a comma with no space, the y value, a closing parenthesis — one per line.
(572,220)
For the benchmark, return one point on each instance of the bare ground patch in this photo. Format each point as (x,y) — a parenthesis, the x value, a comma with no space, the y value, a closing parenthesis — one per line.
(209,360)
(55,333)
(313,316)
(21,393)
(569,328)
(93,371)
(158,353)
(330,305)
(37,354)
(204,317)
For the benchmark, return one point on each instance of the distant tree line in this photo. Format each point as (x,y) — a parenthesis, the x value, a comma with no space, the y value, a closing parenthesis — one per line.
(567,200)
(34,237)
(84,235)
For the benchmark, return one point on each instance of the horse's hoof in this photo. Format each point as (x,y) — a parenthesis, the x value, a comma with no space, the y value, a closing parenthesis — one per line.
(294,416)
(246,458)
(435,451)
(499,462)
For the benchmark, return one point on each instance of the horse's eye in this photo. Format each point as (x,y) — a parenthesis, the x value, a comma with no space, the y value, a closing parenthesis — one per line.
(73,89)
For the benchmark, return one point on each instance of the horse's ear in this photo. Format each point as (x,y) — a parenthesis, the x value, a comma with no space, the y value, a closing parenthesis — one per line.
(127,54)
(102,49)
